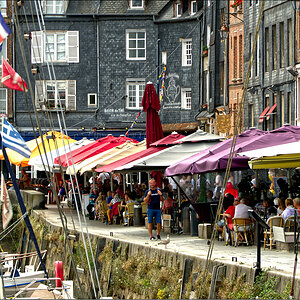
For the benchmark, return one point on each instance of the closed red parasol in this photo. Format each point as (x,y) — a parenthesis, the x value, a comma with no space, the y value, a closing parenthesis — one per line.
(151,106)
(154,132)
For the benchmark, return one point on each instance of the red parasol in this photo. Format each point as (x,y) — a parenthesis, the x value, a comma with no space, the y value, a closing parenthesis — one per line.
(151,106)
(154,132)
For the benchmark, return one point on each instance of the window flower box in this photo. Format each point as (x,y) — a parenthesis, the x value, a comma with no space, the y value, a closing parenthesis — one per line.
(237,5)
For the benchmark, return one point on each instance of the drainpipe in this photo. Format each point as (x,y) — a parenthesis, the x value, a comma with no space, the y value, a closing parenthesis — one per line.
(262,65)
(157,66)
(98,62)
(202,28)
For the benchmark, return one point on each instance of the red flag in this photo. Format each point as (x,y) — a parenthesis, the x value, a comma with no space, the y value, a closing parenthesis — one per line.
(11,78)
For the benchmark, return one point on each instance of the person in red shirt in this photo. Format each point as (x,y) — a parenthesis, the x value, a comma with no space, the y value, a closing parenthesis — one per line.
(168,204)
(231,190)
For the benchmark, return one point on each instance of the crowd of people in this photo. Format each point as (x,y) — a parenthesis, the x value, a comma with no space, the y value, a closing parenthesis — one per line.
(158,200)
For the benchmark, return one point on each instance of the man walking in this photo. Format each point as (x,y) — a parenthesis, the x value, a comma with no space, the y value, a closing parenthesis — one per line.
(153,196)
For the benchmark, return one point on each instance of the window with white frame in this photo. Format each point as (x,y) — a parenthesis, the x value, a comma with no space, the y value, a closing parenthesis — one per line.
(193,7)
(136,4)
(59,46)
(3,101)
(186,98)
(60,94)
(3,7)
(92,100)
(53,7)
(3,53)
(134,91)
(178,10)
(187,52)
(135,44)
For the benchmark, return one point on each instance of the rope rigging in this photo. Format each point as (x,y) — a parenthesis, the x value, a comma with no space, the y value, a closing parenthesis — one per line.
(237,128)
(39,127)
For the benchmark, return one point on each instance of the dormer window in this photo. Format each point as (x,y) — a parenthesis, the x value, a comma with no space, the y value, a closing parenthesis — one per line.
(178,9)
(193,7)
(136,4)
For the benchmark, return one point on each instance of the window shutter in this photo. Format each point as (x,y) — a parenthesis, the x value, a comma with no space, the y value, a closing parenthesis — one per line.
(73,46)
(37,47)
(39,93)
(71,100)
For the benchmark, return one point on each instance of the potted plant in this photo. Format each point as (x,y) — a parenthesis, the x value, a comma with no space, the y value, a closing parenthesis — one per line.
(204,51)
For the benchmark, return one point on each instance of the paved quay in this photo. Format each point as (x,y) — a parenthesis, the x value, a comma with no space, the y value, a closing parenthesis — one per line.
(281,262)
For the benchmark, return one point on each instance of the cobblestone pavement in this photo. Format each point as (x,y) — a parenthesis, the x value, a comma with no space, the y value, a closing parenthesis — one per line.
(278,261)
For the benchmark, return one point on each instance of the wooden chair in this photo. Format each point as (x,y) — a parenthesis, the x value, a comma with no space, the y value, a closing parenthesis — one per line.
(103,211)
(228,234)
(268,233)
(129,212)
(289,224)
(144,209)
(243,231)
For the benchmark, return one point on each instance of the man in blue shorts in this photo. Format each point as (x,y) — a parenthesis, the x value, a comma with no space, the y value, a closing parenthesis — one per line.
(153,196)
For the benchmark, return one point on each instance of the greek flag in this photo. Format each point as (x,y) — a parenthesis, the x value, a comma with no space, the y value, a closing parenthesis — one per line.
(12,139)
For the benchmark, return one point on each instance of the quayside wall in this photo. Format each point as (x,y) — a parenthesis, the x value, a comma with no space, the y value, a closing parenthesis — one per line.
(130,271)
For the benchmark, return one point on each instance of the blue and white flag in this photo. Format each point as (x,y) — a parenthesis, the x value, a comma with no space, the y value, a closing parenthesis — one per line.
(4,31)
(12,139)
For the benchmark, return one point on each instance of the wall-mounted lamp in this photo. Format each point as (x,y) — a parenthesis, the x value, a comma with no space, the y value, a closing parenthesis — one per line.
(224,31)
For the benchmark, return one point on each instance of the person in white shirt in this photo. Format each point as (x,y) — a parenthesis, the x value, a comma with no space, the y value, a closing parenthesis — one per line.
(104,176)
(241,210)
(218,185)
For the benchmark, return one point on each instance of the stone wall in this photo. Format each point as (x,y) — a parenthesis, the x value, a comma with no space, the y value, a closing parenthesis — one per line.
(131,271)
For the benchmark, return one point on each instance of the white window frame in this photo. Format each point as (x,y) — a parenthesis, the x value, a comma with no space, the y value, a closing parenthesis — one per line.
(178,10)
(184,103)
(187,58)
(136,7)
(68,94)
(4,100)
(192,5)
(55,42)
(4,8)
(140,83)
(54,6)
(136,31)
(89,100)
(38,46)
(3,53)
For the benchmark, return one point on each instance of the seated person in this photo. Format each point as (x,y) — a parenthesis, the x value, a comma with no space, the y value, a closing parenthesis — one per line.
(296,202)
(281,206)
(109,198)
(265,210)
(228,214)
(209,196)
(241,210)
(168,204)
(114,204)
(123,212)
(289,211)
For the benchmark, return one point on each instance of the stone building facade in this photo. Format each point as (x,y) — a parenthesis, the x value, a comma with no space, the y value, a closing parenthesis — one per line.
(270,101)
(235,59)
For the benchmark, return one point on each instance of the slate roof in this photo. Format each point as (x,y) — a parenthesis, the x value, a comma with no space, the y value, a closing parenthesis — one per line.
(83,7)
(120,7)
